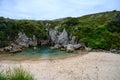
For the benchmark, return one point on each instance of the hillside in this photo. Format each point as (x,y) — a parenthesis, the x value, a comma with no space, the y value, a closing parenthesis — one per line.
(98,31)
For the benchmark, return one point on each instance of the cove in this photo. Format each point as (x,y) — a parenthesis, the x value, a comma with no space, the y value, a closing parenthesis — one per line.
(42,52)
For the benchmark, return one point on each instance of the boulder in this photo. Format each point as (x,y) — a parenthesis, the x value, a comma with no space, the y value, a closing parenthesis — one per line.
(70,48)
(77,46)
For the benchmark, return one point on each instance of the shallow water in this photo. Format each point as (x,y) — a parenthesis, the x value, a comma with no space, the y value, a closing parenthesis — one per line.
(43,52)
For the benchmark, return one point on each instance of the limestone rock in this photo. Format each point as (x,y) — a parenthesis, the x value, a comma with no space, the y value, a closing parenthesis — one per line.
(22,40)
(63,38)
(53,35)
(77,46)
(70,48)
(72,40)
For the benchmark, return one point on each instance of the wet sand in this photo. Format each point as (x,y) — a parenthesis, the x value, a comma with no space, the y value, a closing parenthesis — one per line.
(91,66)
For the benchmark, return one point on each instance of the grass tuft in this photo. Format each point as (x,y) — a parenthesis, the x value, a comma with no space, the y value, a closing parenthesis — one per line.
(16,74)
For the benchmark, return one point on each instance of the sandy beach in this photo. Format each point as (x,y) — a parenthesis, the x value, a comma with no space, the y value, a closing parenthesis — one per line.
(91,66)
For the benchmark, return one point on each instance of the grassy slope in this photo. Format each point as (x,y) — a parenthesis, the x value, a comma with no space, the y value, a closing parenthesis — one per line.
(100,30)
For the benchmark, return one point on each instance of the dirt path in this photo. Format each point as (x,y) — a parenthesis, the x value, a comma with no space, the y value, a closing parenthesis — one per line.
(92,66)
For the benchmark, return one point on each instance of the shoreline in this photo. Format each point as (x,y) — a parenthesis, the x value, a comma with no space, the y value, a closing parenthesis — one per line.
(83,67)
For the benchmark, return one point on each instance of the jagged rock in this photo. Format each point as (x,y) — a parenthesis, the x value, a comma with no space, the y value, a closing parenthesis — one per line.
(70,48)
(22,40)
(77,46)
(63,38)
(72,40)
(53,35)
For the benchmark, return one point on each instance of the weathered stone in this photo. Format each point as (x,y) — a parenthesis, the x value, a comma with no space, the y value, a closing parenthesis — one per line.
(63,38)
(72,40)
(53,35)
(70,48)
(24,41)
(77,46)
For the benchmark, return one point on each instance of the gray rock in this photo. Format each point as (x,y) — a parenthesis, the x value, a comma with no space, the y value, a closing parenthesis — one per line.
(53,35)
(72,40)
(70,48)
(63,38)
(77,46)
(24,41)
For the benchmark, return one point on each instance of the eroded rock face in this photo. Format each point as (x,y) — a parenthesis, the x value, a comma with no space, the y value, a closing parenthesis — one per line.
(21,42)
(73,40)
(63,38)
(53,35)
(70,48)
(24,41)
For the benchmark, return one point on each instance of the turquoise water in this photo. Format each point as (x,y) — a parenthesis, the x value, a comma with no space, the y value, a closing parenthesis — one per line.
(43,52)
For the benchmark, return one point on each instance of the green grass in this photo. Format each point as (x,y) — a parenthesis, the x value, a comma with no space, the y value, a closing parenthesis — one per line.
(16,74)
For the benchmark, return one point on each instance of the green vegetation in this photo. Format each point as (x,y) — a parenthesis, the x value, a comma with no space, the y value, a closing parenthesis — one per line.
(98,31)
(16,74)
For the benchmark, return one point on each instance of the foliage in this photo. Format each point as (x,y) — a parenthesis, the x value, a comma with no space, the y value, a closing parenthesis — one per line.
(16,74)
(100,30)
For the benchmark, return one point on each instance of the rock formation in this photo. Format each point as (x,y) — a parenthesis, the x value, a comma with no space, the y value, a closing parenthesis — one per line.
(53,35)
(63,38)
(20,43)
